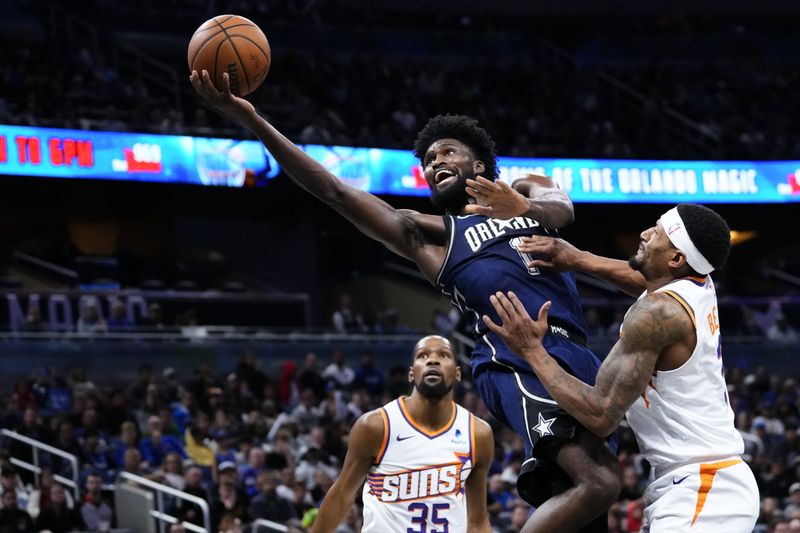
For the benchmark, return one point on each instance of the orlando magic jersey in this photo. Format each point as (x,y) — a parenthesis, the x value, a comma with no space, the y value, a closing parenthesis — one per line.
(482,259)
(417,481)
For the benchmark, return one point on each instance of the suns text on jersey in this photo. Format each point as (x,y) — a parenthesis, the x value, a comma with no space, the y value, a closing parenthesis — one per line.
(418,484)
(491,229)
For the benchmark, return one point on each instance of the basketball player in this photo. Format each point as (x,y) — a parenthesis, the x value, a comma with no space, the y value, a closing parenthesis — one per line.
(469,256)
(425,458)
(665,371)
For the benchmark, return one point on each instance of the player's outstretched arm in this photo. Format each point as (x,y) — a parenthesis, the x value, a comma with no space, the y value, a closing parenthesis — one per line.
(561,256)
(405,232)
(363,447)
(652,324)
(477,514)
(534,196)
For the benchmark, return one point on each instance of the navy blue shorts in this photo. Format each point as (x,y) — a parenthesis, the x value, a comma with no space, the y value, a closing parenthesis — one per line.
(517,398)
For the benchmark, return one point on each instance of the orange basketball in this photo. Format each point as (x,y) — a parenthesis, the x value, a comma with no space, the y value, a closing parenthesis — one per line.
(232,44)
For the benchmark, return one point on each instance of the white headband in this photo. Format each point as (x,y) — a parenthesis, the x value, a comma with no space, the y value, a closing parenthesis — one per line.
(677,234)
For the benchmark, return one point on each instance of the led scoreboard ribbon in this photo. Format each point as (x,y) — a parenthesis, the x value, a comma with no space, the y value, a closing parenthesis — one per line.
(48,152)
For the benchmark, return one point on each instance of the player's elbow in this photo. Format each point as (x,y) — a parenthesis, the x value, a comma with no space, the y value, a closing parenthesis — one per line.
(603,426)
(565,213)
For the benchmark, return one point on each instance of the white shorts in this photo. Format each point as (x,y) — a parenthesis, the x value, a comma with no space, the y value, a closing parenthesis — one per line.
(717,497)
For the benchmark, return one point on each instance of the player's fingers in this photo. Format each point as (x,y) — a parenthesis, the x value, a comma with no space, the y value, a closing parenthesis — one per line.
(540,245)
(226,84)
(516,303)
(491,325)
(508,307)
(541,263)
(475,209)
(499,307)
(194,79)
(489,184)
(472,192)
(208,85)
(543,312)
(503,186)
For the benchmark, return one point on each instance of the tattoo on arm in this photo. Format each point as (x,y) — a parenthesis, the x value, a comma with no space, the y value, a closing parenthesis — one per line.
(651,325)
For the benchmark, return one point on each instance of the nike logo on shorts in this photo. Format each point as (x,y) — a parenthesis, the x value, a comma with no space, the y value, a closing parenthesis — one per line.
(679,481)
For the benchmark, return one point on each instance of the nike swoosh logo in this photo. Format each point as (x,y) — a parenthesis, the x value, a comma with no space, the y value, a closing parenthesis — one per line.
(679,481)
(399,438)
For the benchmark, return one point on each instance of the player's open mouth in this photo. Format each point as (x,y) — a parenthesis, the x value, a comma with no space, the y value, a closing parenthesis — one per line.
(433,375)
(443,175)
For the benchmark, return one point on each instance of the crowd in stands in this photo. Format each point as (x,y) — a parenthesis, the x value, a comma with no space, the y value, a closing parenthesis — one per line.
(256,445)
(373,99)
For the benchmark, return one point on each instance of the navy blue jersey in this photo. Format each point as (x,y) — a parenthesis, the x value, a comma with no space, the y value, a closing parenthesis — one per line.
(481,260)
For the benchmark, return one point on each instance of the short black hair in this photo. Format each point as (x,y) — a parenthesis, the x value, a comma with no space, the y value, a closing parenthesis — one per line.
(709,233)
(464,129)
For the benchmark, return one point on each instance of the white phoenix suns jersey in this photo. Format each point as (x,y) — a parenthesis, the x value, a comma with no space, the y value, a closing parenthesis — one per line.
(417,481)
(684,414)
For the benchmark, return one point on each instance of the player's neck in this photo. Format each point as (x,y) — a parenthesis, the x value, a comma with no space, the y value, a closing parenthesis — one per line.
(658,281)
(430,414)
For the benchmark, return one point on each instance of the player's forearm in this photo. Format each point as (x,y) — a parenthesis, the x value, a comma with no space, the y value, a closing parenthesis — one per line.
(300,167)
(332,511)
(481,526)
(580,400)
(552,209)
(618,273)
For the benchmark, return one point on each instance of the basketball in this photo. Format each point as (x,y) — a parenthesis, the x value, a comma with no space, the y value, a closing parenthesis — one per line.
(232,44)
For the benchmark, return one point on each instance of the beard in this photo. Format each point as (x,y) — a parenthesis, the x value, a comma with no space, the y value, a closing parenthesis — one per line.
(453,198)
(635,263)
(433,392)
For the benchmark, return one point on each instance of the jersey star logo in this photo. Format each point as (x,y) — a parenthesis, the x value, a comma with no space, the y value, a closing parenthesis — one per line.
(504,224)
(543,427)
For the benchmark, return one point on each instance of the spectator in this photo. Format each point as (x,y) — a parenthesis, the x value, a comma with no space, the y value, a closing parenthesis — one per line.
(782,331)
(310,378)
(248,473)
(40,496)
(499,494)
(369,377)
(154,319)
(197,442)
(267,504)
(171,472)
(10,482)
(119,320)
(57,515)
(249,371)
(631,485)
(288,391)
(128,438)
(792,505)
(90,320)
(228,502)
(155,448)
(12,518)
(306,414)
(193,484)
(311,464)
(33,320)
(345,319)
(338,373)
(96,510)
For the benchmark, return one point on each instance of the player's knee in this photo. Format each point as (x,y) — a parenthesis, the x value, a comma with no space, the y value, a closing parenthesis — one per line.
(601,488)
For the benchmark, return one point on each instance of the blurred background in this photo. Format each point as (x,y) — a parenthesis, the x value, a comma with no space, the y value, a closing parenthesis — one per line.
(220,340)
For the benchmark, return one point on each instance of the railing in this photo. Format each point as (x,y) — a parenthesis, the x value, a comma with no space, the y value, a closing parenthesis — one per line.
(38,446)
(271,526)
(80,31)
(63,274)
(158,512)
(671,121)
